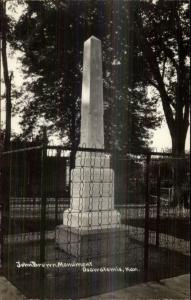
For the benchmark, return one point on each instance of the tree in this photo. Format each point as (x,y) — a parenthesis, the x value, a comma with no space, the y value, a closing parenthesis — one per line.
(7,76)
(162,30)
(51,36)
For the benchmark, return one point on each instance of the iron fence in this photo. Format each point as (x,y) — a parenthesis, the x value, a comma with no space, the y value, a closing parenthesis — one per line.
(37,187)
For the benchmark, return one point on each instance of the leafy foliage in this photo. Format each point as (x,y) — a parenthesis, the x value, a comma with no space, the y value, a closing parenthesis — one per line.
(162,29)
(51,35)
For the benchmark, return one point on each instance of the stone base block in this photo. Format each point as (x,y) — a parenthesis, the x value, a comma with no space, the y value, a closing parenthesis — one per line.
(91,220)
(92,203)
(102,247)
(92,159)
(91,174)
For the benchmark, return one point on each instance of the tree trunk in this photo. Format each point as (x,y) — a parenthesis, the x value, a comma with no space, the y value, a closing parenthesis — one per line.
(178,142)
(179,166)
(7,78)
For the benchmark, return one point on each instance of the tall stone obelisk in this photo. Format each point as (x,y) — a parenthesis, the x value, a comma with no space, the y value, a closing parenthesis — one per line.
(92,126)
(91,211)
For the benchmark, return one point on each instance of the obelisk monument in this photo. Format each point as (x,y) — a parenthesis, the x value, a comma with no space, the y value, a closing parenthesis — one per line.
(91,211)
(92,126)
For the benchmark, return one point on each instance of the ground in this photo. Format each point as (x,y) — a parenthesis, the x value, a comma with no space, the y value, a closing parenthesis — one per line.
(171,288)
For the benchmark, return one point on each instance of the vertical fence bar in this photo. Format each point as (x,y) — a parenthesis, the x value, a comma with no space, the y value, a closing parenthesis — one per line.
(43,212)
(158,206)
(146,238)
(57,181)
(1,238)
(5,194)
(5,191)
(1,204)
(43,197)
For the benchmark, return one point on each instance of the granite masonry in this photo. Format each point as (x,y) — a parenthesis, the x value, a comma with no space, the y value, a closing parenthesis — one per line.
(91,226)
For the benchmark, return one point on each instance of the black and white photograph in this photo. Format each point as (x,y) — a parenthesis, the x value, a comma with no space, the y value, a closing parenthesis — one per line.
(94,149)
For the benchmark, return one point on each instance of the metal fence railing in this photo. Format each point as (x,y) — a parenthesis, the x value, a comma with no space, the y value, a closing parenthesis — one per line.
(153,201)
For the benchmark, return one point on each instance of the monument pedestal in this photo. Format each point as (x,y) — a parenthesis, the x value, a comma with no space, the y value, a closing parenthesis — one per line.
(91,220)
(91,227)
(92,193)
(103,247)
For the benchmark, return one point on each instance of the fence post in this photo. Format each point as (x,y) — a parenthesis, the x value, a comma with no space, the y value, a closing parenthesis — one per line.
(43,212)
(146,237)
(1,202)
(5,199)
(43,197)
(57,186)
(158,207)
(1,209)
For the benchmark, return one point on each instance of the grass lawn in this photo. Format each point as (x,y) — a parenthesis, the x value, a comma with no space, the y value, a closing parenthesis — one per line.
(177,227)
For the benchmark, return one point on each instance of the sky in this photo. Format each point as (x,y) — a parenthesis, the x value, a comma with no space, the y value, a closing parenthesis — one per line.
(161,137)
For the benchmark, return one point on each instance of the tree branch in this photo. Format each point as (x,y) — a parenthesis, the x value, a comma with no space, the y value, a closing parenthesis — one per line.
(163,68)
(181,55)
(186,114)
(169,53)
(153,64)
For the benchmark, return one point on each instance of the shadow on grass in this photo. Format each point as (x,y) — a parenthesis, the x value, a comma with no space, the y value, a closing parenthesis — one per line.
(73,283)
